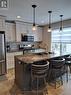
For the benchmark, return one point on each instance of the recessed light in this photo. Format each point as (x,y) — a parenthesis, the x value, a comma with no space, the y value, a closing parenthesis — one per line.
(18,16)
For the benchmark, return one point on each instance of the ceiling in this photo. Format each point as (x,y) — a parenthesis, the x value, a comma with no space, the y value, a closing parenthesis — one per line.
(24,9)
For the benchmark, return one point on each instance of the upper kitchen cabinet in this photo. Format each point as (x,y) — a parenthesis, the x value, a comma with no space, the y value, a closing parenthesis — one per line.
(2,23)
(38,34)
(20,29)
(29,30)
(10,32)
(26,29)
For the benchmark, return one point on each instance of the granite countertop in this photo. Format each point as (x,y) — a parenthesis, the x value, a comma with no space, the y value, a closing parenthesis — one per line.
(30,58)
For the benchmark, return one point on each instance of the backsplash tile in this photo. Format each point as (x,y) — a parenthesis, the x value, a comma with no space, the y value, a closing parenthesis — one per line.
(14,46)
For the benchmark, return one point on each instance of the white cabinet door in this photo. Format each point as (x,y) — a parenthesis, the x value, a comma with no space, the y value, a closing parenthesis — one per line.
(24,28)
(38,34)
(21,28)
(10,32)
(29,30)
(18,31)
(10,59)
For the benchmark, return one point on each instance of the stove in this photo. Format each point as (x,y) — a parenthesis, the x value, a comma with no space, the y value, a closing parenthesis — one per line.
(25,46)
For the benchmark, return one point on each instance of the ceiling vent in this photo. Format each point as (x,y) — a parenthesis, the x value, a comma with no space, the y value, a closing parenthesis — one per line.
(4,4)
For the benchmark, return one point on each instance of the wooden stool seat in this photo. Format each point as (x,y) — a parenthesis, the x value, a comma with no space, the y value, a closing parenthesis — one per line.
(39,71)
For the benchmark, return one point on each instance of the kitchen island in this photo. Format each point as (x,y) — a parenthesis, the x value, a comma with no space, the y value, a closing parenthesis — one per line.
(23,68)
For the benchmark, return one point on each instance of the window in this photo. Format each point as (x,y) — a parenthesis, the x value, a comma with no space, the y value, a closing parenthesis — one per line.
(61,41)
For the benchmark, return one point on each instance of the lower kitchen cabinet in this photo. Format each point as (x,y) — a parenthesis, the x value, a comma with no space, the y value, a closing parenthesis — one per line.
(10,58)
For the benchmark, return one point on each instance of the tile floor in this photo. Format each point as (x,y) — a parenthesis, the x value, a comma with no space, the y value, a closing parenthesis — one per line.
(8,87)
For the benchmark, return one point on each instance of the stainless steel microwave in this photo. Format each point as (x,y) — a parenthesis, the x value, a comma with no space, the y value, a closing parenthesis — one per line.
(27,38)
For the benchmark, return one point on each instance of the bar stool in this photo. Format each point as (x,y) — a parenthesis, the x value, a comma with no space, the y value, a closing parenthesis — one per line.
(56,69)
(68,64)
(39,71)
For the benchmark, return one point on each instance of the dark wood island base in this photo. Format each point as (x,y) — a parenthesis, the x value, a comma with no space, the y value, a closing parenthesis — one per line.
(23,75)
(23,68)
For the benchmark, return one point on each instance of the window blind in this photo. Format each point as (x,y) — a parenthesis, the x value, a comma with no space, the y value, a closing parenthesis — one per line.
(61,36)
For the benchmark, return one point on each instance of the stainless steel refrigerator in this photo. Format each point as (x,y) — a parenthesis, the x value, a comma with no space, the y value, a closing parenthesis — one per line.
(2,53)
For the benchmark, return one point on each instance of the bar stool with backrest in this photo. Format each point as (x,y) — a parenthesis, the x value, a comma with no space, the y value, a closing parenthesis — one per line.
(56,69)
(68,64)
(39,71)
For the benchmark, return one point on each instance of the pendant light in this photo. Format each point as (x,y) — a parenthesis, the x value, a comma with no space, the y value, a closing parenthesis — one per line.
(49,27)
(34,26)
(61,23)
(60,30)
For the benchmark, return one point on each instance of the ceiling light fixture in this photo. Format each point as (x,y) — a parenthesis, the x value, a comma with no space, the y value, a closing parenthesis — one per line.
(18,17)
(60,30)
(49,27)
(61,23)
(34,26)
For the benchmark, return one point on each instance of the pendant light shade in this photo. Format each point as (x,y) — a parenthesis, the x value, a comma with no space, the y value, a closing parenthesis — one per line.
(34,26)
(49,27)
(61,23)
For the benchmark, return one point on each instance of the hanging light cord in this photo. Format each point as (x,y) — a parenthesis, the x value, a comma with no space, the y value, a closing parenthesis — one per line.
(34,6)
(34,17)
(61,23)
(49,18)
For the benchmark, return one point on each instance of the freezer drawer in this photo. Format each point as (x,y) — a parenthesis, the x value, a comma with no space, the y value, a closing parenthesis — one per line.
(2,67)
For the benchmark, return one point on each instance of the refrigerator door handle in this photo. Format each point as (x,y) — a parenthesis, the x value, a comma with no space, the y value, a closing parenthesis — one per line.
(2,61)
